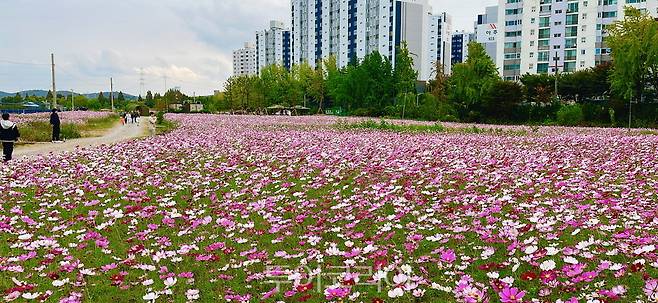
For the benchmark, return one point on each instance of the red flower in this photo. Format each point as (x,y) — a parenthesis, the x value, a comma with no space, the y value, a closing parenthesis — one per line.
(377,300)
(305,287)
(548,276)
(53,275)
(117,279)
(528,276)
(498,285)
(636,267)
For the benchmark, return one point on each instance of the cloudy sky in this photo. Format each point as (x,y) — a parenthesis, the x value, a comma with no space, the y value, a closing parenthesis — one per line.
(188,42)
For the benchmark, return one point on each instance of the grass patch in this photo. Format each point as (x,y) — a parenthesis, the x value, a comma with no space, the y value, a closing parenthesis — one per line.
(387,126)
(489,131)
(93,126)
(41,131)
(165,126)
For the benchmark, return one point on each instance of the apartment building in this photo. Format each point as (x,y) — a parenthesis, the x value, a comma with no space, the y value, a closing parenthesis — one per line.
(460,41)
(486,31)
(273,46)
(547,36)
(352,29)
(440,42)
(244,60)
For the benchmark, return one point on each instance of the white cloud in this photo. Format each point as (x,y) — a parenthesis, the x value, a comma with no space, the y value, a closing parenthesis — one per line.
(189,41)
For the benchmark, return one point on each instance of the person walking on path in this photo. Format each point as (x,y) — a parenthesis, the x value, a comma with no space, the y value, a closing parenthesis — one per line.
(152,124)
(56,123)
(8,135)
(128,118)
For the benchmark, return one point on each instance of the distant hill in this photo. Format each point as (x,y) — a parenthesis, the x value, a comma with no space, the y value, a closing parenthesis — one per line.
(107,95)
(44,93)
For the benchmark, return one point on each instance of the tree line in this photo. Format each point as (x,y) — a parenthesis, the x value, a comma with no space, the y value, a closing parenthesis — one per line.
(474,92)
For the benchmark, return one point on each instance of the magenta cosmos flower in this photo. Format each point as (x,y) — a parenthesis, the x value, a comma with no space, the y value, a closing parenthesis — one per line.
(511,295)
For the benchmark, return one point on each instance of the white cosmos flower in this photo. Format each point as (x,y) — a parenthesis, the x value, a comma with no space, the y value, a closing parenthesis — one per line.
(406,269)
(530,249)
(552,251)
(493,275)
(60,283)
(192,294)
(150,296)
(418,293)
(400,278)
(570,260)
(508,280)
(547,265)
(147,282)
(169,282)
(394,293)
(31,296)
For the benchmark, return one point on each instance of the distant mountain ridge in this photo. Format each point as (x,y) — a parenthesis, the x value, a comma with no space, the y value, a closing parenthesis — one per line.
(44,93)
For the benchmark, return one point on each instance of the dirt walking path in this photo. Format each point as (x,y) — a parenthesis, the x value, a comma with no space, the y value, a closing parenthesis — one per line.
(116,134)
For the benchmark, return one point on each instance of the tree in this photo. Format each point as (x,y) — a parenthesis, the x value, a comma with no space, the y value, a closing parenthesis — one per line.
(101,98)
(49,96)
(149,101)
(121,97)
(634,44)
(471,80)
(301,77)
(275,84)
(318,87)
(501,100)
(405,76)
(438,86)
(539,88)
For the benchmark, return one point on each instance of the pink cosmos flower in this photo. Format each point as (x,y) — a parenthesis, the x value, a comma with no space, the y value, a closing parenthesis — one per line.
(511,295)
(448,256)
(336,293)
(651,288)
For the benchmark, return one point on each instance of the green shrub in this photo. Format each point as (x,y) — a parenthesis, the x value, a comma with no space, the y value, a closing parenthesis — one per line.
(42,131)
(160,118)
(570,115)
(388,126)
(70,131)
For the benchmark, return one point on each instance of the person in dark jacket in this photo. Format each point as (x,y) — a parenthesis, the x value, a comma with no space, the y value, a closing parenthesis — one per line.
(54,121)
(8,135)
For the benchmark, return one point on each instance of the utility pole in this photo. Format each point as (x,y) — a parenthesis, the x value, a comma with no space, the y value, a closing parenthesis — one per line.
(72,102)
(112,93)
(54,101)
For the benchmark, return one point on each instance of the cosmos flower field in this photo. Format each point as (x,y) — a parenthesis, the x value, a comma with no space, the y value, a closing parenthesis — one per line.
(75,117)
(266,209)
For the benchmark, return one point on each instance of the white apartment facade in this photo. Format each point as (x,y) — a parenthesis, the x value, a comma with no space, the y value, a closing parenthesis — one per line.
(273,46)
(486,31)
(352,29)
(440,43)
(244,60)
(546,36)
